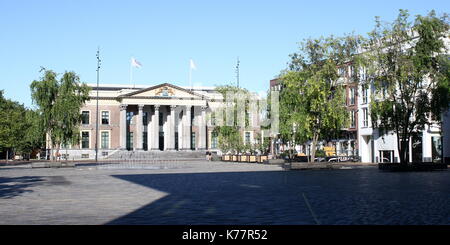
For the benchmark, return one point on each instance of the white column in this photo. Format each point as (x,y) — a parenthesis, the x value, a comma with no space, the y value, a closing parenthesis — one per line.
(139,128)
(171,136)
(123,126)
(150,130)
(187,128)
(202,130)
(155,129)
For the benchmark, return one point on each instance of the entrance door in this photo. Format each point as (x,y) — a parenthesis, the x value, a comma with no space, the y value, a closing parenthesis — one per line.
(161,141)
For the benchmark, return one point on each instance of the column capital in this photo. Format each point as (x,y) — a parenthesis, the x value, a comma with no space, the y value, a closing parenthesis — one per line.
(172,107)
(141,107)
(203,107)
(157,107)
(123,107)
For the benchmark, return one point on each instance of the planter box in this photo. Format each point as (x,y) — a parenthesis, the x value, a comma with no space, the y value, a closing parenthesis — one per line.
(263,159)
(234,158)
(244,158)
(252,158)
(226,158)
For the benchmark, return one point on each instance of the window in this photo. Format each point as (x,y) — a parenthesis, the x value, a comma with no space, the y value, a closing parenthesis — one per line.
(84,140)
(352,96)
(386,156)
(341,71)
(365,117)
(105,140)
(145,118)
(130,141)
(161,119)
(365,91)
(145,140)
(130,115)
(363,74)
(85,117)
(247,138)
(352,119)
(436,148)
(213,119)
(105,117)
(350,71)
(214,140)
(193,141)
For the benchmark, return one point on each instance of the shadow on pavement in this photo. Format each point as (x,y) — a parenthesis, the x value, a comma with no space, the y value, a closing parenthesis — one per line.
(12,187)
(363,196)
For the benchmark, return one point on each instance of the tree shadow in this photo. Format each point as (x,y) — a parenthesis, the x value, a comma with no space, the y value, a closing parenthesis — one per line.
(347,197)
(14,186)
(218,198)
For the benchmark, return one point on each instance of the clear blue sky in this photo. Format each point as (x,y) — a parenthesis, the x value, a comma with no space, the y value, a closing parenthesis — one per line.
(164,35)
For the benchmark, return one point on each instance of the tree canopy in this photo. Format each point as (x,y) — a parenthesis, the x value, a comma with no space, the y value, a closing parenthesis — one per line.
(312,101)
(20,128)
(408,63)
(59,103)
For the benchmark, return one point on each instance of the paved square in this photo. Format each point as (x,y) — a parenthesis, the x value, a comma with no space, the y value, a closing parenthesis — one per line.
(221,193)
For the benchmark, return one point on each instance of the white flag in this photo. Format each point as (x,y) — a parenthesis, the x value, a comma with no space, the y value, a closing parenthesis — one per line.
(135,63)
(192,65)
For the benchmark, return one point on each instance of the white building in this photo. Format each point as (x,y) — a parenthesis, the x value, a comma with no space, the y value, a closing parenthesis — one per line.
(377,146)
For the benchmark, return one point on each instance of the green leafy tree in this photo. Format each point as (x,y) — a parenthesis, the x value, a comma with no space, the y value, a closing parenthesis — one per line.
(12,126)
(59,103)
(229,136)
(409,66)
(19,128)
(312,101)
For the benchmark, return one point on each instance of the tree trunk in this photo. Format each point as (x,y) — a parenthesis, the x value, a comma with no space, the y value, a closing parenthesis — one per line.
(403,153)
(313,148)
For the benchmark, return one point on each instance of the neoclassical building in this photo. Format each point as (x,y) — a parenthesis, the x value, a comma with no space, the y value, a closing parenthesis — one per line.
(164,117)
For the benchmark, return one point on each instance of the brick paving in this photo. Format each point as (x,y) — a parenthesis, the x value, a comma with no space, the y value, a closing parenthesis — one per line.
(221,193)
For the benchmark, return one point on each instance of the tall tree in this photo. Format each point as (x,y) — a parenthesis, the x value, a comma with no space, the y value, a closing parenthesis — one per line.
(12,125)
(312,101)
(59,103)
(408,64)
(232,118)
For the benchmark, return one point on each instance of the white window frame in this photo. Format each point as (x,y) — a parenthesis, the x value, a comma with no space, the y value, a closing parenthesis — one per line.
(352,96)
(81,139)
(365,93)
(90,119)
(352,119)
(109,139)
(365,117)
(101,117)
(251,136)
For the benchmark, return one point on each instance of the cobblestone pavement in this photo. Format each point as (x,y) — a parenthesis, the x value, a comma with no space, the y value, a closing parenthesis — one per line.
(221,193)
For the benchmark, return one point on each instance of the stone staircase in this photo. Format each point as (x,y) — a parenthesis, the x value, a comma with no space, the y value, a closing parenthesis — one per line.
(157,155)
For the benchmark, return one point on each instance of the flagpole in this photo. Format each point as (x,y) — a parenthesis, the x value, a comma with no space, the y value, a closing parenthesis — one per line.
(190,76)
(131,73)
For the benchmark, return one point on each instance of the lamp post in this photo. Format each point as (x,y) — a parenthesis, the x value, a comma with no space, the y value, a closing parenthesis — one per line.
(96,113)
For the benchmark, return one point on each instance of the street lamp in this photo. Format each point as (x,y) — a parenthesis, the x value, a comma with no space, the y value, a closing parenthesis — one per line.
(96,112)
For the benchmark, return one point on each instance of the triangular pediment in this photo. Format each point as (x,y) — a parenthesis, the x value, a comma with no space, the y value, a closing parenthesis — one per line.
(164,90)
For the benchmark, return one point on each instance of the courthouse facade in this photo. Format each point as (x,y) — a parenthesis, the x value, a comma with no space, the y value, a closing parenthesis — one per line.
(163,117)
